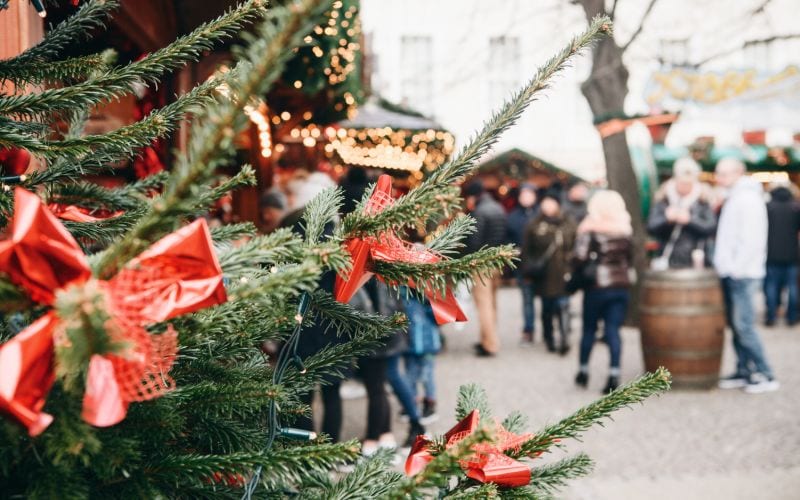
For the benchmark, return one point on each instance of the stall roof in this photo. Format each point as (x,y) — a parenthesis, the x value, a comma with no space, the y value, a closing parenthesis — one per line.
(521,157)
(379,113)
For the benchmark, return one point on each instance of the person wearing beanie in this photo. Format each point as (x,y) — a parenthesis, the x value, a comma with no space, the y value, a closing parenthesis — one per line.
(273,207)
(526,210)
(682,219)
(490,230)
(546,249)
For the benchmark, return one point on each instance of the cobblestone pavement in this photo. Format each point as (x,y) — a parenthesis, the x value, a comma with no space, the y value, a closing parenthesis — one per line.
(685,444)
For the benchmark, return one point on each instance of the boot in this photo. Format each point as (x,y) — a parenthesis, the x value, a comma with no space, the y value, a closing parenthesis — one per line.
(582,379)
(415,429)
(611,385)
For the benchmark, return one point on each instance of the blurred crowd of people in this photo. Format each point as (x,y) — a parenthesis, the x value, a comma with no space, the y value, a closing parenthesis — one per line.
(572,239)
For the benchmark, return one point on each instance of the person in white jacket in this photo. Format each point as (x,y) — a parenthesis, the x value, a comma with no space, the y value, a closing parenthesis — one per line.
(740,257)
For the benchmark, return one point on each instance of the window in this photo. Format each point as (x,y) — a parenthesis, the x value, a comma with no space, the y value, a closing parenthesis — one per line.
(503,67)
(675,52)
(416,61)
(757,56)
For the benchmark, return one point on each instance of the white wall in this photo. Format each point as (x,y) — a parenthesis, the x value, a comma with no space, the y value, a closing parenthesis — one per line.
(558,128)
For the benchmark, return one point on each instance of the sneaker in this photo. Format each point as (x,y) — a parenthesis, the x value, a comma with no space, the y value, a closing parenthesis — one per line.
(429,414)
(734,381)
(387,442)
(759,383)
(582,379)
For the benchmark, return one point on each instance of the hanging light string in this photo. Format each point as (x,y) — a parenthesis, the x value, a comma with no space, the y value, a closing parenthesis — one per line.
(287,356)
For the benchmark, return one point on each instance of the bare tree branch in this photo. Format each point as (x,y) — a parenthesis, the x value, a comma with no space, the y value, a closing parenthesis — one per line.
(613,10)
(641,23)
(749,43)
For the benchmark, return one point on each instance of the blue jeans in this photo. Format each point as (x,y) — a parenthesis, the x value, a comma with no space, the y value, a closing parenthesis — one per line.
(419,369)
(528,307)
(401,388)
(780,277)
(610,305)
(741,315)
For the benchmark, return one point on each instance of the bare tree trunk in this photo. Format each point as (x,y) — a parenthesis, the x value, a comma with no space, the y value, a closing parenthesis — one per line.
(605,90)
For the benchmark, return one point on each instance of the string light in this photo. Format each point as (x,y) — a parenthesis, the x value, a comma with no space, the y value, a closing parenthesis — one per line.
(385,147)
(259,117)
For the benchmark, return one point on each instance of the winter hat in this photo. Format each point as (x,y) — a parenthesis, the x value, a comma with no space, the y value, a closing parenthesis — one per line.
(686,169)
(474,188)
(553,194)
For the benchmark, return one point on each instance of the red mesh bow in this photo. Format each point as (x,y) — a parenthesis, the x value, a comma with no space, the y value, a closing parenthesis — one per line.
(176,275)
(80,214)
(387,246)
(489,463)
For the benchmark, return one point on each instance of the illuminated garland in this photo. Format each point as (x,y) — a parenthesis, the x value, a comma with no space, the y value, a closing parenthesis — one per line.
(328,64)
(399,149)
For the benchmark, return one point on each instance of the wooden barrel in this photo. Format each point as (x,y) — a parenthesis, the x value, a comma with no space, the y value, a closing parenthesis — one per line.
(683,325)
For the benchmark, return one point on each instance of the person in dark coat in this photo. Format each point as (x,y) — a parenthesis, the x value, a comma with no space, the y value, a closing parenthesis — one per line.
(575,203)
(490,230)
(375,297)
(682,219)
(783,252)
(549,240)
(525,211)
(605,242)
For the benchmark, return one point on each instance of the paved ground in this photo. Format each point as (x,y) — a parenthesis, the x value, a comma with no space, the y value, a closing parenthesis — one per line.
(686,444)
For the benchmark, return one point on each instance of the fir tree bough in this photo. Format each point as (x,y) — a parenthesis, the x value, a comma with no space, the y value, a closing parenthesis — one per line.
(206,438)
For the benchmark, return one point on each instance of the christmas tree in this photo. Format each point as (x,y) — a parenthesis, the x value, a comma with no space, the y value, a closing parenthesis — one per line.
(130,361)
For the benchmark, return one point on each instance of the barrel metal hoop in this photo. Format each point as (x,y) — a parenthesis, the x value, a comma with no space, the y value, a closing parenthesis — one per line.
(692,310)
(681,285)
(687,355)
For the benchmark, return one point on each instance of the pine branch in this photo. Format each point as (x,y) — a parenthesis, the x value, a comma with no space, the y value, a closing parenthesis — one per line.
(120,81)
(479,492)
(320,212)
(438,275)
(103,231)
(85,154)
(75,68)
(232,232)
(515,422)
(472,397)
(573,426)
(548,478)
(94,196)
(91,15)
(287,281)
(279,246)
(449,239)
(212,139)
(371,478)
(422,202)
(344,319)
(288,464)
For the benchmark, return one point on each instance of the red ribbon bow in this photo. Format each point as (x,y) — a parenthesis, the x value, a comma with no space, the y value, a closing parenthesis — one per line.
(176,275)
(488,464)
(79,214)
(388,247)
